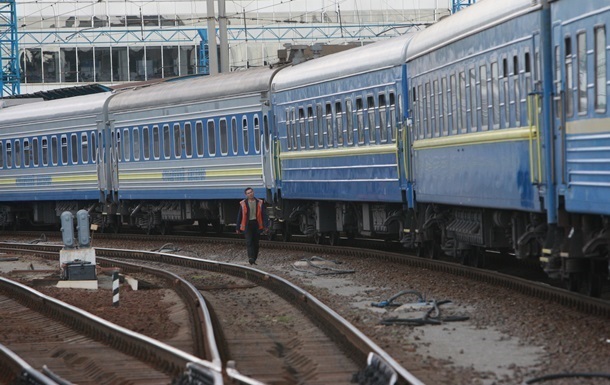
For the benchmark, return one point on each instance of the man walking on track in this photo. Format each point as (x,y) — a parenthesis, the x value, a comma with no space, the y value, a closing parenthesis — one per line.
(251,220)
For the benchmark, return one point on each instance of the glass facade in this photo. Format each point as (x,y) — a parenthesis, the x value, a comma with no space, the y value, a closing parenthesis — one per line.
(107,64)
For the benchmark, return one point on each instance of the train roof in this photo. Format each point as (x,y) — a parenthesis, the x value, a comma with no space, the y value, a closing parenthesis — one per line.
(387,53)
(78,105)
(191,89)
(476,17)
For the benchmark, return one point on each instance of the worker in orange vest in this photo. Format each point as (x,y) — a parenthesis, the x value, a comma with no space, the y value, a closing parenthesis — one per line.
(251,220)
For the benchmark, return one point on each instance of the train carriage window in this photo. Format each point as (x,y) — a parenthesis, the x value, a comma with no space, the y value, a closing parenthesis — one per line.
(360,120)
(54,150)
(116,139)
(288,129)
(74,148)
(320,126)
(245,134)
(569,77)
(45,151)
(1,155)
(462,104)
(427,111)
(257,134)
(420,112)
(84,144)
(146,142)
(383,118)
(266,133)
(504,81)
(444,95)
(433,108)
(167,144)
(581,42)
(399,113)
(349,121)
(600,69)
(393,126)
(370,115)
(199,138)
(9,154)
(64,149)
(495,96)
(211,137)
(136,143)
(517,91)
(339,122)
(156,142)
(188,139)
(224,137)
(302,129)
(93,148)
(293,125)
(484,115)
(26,153)
(17,153)
(329,125)
(126,145)
(234,134)
(528,75)
(454,112)
(35,152)
(178,141)
(310,128)
(472,98)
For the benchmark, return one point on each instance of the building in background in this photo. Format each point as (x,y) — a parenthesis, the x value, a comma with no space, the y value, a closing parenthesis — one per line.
(77,42)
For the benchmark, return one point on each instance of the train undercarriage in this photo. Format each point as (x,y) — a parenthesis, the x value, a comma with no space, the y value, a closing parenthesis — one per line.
(575,251)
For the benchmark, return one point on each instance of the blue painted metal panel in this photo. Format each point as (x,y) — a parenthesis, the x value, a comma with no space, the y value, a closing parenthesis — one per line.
(182,193)
(495,175)
(583,147)
(369,178)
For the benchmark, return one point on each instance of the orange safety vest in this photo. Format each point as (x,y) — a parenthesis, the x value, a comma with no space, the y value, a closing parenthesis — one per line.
(244,214)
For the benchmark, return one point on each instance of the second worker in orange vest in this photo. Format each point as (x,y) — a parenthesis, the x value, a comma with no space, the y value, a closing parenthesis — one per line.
(251,220)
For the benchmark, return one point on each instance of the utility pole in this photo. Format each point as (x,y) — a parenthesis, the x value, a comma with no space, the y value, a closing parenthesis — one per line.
(224,40)
(10,77)
(212,50)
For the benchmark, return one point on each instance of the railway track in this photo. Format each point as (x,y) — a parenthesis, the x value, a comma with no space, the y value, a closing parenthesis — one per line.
(320,348)
(77,347)
(534,289)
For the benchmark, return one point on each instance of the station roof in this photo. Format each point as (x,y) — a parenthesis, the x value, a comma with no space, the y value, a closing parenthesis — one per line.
(60,93)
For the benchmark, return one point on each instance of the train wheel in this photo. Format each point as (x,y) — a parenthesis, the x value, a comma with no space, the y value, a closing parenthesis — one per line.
(318,238)
(165,228)
(333,238)
(286,235)
(593,282)
(429,250)
(203,227)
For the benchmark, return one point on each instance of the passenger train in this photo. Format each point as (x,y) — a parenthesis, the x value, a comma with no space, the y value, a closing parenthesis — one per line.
(486,131)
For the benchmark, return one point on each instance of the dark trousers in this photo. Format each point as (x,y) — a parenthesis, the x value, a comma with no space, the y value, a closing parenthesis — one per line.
(253,236)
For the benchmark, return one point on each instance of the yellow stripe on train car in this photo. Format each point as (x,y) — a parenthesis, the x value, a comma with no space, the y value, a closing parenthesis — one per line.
(234,172)
(9,181)
(342,151)
(588,126)
(494,136)
(140,176)
(74,178)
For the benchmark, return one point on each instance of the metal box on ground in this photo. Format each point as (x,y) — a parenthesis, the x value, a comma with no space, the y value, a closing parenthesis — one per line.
(80,271)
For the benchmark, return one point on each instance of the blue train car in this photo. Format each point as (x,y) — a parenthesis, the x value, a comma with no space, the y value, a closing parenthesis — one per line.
(582,146)
(476,140)
(48,159)
(339,123)
(186,149)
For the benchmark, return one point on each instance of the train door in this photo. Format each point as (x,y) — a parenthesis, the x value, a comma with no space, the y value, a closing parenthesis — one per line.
(267,151)
(561,80)
(404,139)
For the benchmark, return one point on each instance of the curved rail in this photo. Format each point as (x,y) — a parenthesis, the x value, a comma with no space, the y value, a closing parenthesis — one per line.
(173,361)
(356,343)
